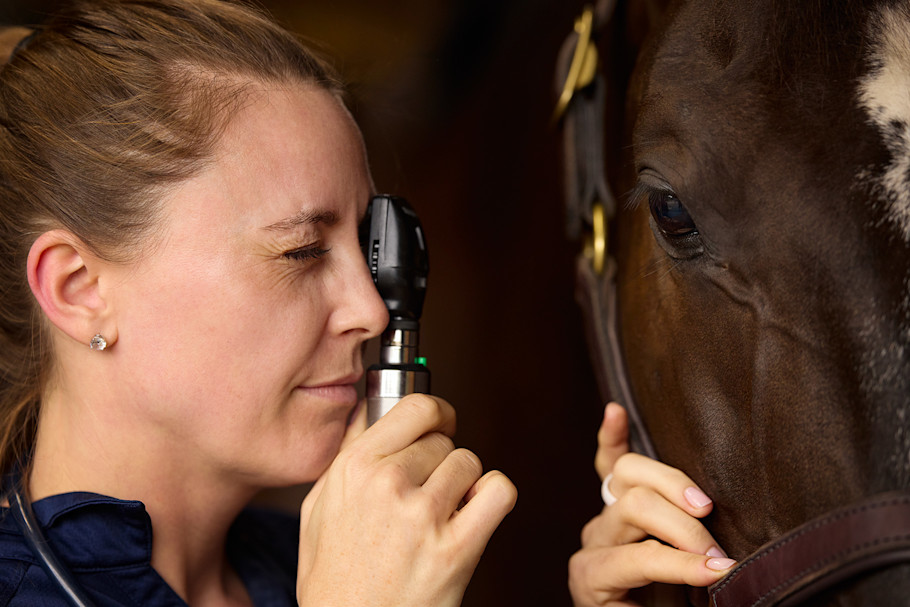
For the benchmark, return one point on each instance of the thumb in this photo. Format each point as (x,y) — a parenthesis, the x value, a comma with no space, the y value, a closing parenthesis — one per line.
(612,439)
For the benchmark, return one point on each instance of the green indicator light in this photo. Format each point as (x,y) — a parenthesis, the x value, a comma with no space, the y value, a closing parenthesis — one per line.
(421,360)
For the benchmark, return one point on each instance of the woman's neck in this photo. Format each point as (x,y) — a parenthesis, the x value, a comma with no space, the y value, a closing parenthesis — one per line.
(82,447)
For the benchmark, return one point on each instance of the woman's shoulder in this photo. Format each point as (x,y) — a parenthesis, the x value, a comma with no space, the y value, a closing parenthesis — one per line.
(13,571)
(16,561)
(22,581)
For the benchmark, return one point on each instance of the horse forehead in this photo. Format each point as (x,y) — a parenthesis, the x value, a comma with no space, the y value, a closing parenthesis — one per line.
(766,68)
(884,93)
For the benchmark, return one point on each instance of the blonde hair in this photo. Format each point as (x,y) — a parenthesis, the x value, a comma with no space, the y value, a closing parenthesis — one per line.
(107,106)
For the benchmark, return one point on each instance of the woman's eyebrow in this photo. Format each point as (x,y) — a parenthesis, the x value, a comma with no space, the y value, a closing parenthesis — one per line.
(304,217)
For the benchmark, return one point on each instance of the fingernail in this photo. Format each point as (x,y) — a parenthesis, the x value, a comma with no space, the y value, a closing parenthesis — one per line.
(716,552)
(696,497)
(720,564)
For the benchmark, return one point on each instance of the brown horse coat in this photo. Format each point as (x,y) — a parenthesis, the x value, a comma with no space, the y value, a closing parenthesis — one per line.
(764,259)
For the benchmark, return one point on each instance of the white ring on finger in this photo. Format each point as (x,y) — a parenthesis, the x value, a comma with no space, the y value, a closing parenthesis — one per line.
(609,498)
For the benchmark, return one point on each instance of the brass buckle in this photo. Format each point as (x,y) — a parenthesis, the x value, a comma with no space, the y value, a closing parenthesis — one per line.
(595,248)
(584,62)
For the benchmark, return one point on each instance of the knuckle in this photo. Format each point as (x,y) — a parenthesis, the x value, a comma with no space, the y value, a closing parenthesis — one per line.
(424,407)
(352,461)
(507,490)
(587,532)
(423,510)
(586,579)
(622,465)
(601,464)
(467,461)
(390,479)
(574,563)
(650,549)
(577,566)
(441,442)
(432,507)
(595,532)
(637,500)
(695,532)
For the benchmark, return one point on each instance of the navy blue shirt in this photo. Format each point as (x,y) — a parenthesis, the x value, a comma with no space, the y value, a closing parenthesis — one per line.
(107,545)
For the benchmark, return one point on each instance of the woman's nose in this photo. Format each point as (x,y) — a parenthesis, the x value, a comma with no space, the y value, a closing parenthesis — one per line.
(360,308)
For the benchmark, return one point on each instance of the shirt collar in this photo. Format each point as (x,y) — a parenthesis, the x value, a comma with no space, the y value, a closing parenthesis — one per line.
(94,531)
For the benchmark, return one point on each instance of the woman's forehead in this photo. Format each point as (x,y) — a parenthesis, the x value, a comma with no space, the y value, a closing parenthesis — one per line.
(282,125)
(288,153)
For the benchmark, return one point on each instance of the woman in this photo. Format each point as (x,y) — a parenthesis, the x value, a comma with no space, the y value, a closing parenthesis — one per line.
(184,308)
(646,501)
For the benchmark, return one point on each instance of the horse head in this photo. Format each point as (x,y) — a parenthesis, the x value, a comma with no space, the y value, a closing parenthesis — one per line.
(764,258)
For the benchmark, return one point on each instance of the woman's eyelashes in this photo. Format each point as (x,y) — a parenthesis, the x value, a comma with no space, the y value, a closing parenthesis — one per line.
(307,253)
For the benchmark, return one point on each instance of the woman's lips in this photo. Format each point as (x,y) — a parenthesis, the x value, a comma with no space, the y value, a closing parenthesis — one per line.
(343,394)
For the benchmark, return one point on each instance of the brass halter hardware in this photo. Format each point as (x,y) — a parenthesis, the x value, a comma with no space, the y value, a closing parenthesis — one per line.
(582,91)
(584,62)
(595,249)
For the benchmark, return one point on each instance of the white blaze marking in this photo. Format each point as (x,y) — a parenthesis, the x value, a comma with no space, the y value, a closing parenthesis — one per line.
(885,95)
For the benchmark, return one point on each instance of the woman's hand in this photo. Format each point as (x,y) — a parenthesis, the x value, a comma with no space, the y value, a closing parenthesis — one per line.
(619,551)
(401,517)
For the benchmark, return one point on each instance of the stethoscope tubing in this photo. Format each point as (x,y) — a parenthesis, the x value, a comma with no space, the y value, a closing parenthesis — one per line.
(58,573)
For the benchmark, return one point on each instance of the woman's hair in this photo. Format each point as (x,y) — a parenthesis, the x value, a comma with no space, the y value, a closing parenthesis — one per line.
(102,110)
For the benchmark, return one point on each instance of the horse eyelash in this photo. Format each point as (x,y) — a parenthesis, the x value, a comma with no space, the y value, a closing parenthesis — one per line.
(634,196)
(642,192)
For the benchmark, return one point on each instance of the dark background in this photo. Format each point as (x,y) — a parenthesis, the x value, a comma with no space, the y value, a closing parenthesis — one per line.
(454,98)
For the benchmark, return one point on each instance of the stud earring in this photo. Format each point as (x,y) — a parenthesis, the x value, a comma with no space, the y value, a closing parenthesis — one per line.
(98,343)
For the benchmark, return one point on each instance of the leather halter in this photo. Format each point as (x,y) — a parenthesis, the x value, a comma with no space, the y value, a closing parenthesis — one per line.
(843,544)
(868,535)
(590,205)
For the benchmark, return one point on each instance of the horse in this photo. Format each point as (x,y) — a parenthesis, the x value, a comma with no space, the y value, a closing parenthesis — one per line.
(762,260)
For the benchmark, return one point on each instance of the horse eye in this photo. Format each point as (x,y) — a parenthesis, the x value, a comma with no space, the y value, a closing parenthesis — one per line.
(670,215)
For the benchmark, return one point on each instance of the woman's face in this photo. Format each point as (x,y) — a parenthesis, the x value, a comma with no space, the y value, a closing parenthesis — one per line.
(240,334)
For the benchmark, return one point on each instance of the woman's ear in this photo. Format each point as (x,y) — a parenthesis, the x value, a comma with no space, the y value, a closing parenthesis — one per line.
(64,277)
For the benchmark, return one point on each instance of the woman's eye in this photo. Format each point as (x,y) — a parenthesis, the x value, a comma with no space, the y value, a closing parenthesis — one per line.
(670,215)
(306,253)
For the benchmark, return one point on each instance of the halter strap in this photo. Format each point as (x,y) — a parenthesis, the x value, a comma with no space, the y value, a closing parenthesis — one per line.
(871,534)
(590,205)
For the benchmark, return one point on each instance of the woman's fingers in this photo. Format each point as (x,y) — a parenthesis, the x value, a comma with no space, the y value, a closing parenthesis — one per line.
(642,513)
(634,470)
(450,482)
(648,500)
(416,433)
(612,439)
(415,512)
(601,575)
(488,501)
(413,416)
(421,458)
